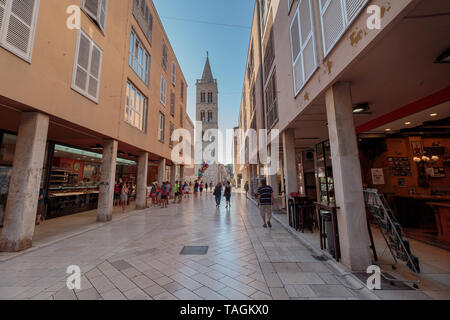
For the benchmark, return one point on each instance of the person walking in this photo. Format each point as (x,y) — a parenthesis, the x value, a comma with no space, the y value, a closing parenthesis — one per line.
(265,202)
(201,188)
(164,195)
(218,193)
(246,189)
(206,188)
(116,195)
(158,194)
(196,188)
(227,194)
(124,196)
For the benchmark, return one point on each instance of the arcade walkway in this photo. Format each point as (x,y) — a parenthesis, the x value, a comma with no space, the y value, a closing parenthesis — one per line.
(138,257)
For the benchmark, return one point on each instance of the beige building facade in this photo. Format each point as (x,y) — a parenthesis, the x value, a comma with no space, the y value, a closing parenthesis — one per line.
(333,74)
(111,91)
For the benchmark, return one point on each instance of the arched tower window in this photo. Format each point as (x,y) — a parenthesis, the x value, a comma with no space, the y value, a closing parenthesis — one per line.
(210,97)
(202,97)
(202,116)
(210,116)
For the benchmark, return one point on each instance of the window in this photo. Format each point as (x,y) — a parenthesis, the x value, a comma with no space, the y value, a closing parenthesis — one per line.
(163,90)
(174,73)
(170,134)
(87,67)
(96,9)
(182,90)
(202,116)
(144,17)
(172,104)
(269,55)
(17,26)
(271,102)
(181,116)
(210,97)
(210,116)
(136,108)
(164,56)
(202,97)
(250,64)
(162,125)
(253,99)
(139,58)
(335,17)
(303,51)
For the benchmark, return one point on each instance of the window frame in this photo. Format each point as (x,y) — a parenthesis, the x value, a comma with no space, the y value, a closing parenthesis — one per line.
(143,113)
(161,127)
(75,66)
(132,57)
(5,26)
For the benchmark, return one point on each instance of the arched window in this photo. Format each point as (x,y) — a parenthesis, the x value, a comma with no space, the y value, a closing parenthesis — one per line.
(210,116)
(202,116)
(202,97)
(210,97)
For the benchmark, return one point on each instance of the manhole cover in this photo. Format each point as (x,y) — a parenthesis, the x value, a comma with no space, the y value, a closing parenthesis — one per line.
(194,250)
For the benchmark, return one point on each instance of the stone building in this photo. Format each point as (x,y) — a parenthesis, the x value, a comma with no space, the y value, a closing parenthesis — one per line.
(207,115)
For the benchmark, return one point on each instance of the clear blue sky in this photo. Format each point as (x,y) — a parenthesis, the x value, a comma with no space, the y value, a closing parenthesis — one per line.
(227,47)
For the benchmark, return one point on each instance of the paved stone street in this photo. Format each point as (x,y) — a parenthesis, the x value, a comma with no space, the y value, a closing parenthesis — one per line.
(138,257)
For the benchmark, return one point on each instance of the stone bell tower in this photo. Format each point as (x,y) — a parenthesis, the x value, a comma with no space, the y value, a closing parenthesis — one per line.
(207,114)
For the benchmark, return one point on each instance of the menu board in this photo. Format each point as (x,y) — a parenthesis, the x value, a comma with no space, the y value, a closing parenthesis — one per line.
(399,166)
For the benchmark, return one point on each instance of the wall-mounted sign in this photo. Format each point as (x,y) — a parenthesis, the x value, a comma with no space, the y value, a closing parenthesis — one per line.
(377,176)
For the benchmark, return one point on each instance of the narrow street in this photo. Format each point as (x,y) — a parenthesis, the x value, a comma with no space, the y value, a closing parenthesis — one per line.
(139,257)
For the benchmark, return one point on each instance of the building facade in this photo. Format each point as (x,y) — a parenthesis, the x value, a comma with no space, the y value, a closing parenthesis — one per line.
(83,108)
(335,75)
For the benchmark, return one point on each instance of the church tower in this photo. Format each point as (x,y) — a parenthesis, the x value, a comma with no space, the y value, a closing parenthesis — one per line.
(207,114)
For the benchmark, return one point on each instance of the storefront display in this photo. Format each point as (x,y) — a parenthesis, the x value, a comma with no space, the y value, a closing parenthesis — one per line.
(324,173)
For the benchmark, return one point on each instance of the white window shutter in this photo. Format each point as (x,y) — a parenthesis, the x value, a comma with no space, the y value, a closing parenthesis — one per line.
(352,9)
(102,14)
(2,15)
(94,71)
(333,24)
(295,38)
(19,21)
(83,55)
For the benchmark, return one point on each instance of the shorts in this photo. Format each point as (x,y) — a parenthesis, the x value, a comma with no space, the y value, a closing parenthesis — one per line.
(266,211)
(228,197)
(163,197)
(124,198)
(201,189)
(117,196)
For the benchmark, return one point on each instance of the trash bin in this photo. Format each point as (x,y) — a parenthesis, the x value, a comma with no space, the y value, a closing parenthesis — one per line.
(328,229)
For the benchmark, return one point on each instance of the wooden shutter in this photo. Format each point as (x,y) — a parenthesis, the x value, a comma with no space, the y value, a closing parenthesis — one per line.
(82,64)
(18,20)
(102,14)
(94,71)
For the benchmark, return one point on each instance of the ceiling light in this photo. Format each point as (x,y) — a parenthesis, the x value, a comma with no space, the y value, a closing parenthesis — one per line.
(433,115)
(361,108)
(444,58)
(408,123)
(388,130)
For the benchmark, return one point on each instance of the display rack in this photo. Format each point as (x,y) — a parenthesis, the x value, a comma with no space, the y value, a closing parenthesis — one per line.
(392,232)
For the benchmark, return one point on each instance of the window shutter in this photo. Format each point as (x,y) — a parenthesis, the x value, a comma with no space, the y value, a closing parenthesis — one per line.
(18,22)
(2,15)
(352,9)
(82,62)
(102,15)
(87,69)
(92,7)
(332,24)
(94,73)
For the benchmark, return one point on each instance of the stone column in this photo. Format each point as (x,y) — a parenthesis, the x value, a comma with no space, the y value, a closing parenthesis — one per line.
(289,163)
(273,182)
(108,176)
(182,174)
(161,171)
(352,223)
(23,194)
(141,184)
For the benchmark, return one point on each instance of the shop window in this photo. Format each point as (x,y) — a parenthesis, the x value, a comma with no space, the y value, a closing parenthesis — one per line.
(96,9)
(139,58)
(17,26)
(303,51)
(87,67)
(136,108)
